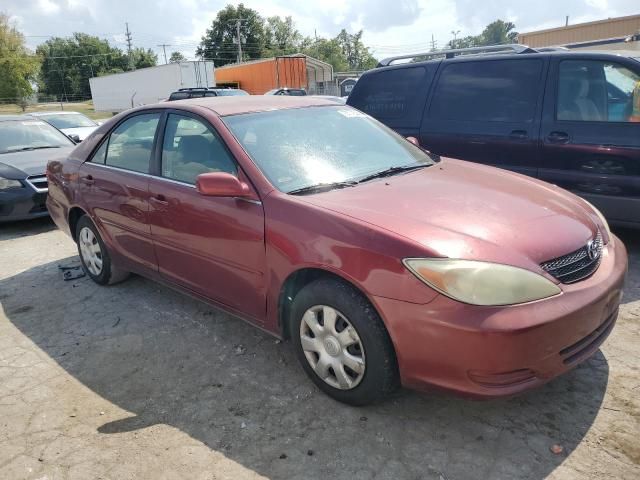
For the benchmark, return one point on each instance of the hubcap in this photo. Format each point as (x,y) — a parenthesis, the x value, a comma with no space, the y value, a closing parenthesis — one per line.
(332,347)
(90,251)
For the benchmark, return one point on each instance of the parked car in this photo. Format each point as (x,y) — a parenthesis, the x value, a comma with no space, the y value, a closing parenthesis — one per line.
(73,124)
(383,264)
(566,117)
(26,145)
(293,92)
(186,93)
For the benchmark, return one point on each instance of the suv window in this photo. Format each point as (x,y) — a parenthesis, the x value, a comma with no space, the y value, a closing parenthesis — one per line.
(179,96)
(597,91)
(392,94)
(131,143)
(190,148)
(488,91)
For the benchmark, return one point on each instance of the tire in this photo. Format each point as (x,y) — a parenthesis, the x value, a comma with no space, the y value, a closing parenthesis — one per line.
(102,272)
(375,370)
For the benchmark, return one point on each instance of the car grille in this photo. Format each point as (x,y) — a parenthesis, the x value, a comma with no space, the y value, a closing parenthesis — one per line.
(39,182)
(576,265)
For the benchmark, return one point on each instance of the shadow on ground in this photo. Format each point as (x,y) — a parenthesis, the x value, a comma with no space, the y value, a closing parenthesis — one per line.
(12,230)
(173,360)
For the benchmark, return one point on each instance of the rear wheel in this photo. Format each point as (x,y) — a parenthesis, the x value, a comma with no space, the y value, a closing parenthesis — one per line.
(342,344)
(94,255)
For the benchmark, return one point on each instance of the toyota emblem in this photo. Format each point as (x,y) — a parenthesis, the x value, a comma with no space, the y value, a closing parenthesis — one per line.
(592,250)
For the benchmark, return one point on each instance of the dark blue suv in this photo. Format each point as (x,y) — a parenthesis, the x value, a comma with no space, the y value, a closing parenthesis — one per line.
(571,118)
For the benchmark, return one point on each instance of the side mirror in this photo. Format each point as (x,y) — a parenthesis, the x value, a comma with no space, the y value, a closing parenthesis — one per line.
(74,138)
(221,184)
(414,140)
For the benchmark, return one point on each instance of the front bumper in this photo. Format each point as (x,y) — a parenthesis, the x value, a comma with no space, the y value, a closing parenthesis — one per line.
(22,204)
(502,351)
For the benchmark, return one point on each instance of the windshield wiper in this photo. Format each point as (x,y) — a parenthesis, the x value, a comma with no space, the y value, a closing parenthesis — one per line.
(321,187)
(392,171)
(35,148)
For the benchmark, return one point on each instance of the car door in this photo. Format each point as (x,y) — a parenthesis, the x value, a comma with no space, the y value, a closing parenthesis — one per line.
(114,186)
(591,143)
(213,246)
(487,111)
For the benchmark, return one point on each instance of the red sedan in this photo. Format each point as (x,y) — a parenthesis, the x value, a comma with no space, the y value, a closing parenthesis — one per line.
(383,264)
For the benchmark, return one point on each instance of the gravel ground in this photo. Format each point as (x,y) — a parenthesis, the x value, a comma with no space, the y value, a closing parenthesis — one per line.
(138,381)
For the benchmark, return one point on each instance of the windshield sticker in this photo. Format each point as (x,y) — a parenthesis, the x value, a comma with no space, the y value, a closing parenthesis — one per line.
(32,122)
(350,113)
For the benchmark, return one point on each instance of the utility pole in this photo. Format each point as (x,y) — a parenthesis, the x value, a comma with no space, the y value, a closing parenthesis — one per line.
(455,37)
(164,49)
(238,22)
(434,43)
(128,37)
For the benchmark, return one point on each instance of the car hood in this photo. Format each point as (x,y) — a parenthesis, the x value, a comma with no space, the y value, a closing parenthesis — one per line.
(82,132)
(459,209)
(19,165)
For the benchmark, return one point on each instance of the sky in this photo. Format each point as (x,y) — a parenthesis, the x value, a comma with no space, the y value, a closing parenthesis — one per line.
(390,26)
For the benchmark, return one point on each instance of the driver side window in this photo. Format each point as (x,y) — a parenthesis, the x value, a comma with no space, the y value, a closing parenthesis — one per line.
(190,148)
(597,91)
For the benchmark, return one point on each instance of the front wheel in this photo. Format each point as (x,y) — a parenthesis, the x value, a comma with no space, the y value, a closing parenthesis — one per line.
(94,255)
(342,344)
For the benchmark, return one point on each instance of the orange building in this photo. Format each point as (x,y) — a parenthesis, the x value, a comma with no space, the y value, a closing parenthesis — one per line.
(294,71)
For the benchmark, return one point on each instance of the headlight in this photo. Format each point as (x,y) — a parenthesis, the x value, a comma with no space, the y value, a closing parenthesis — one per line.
(6,184)
(481,283)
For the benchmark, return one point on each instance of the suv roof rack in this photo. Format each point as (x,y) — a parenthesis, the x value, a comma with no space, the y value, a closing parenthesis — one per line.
(191,89)
(453,52)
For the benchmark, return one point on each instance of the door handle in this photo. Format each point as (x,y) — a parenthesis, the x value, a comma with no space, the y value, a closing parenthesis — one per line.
(88,180)
(558,137)
(518,135)
(159,199)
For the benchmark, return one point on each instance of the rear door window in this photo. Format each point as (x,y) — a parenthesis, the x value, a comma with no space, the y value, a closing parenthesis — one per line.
(131,143)
(488,91)
(393,96)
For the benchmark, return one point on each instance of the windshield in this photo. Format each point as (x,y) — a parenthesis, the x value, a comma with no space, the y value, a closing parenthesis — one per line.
(231,92)
(18,135)
(68,120)
(303,147)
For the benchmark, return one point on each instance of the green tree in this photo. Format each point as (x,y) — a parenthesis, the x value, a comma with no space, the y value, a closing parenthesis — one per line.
(68,63)
(142,58)
(499,32)
(220,41)
(281,37)
(177,57)
(356,54)
(328,51)
(18,66)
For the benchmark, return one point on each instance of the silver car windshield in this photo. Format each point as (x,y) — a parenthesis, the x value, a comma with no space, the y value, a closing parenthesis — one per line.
(30,134)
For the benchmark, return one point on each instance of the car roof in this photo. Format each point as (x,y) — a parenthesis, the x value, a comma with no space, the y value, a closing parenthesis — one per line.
(6,118)
(236,105)
(54,112)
